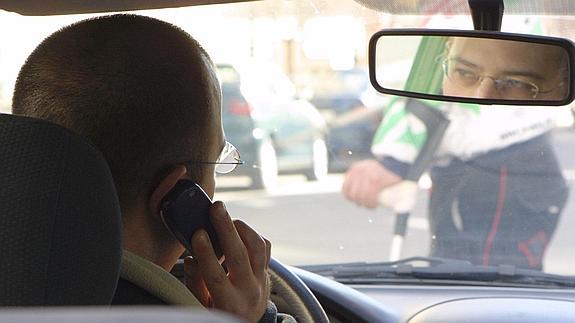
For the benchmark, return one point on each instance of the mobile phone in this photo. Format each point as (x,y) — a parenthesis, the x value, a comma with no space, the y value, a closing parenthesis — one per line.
(184,210)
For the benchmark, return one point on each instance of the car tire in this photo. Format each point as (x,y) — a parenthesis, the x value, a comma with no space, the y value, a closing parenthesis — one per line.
(266,172)
(320,163)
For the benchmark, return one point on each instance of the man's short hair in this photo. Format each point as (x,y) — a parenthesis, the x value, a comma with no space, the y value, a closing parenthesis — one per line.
(138,88)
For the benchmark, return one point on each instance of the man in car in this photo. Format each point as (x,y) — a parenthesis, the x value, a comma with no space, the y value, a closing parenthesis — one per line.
(497,189)
(145,93)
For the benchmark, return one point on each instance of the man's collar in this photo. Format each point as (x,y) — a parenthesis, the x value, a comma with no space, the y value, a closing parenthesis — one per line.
(155,280)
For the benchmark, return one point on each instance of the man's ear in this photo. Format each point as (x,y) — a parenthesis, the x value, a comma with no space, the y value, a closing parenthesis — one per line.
(165,186)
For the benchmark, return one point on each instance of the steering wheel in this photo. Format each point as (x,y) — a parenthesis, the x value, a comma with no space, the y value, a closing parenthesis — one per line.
(287,285)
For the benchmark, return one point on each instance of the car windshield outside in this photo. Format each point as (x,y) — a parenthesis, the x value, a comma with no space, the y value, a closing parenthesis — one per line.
(298,105)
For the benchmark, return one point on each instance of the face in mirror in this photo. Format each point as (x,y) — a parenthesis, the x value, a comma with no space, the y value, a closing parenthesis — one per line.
(502,69)
(473,68)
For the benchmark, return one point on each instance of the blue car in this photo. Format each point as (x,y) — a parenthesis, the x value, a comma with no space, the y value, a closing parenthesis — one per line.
(275,132)
(352,121)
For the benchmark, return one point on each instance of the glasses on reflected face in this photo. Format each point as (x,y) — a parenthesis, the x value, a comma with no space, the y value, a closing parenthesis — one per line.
(228,160)
(511,87)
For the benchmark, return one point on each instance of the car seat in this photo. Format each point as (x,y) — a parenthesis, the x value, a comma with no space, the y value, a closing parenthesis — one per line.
(60,219)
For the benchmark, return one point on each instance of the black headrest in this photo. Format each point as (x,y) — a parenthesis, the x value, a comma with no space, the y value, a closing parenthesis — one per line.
(59,217)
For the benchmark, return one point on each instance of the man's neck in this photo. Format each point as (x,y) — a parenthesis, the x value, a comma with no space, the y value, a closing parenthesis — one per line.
(147,237)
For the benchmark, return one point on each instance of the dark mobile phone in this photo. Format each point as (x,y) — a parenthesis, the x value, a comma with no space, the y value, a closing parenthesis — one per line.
(184,210)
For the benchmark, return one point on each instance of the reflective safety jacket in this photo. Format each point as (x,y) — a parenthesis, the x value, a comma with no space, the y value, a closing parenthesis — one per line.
(473,130)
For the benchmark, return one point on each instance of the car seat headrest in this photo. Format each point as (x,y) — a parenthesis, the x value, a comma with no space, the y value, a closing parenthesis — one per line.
(60,220)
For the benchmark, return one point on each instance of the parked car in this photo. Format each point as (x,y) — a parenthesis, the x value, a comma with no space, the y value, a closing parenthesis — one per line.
(351,121)
(274,131)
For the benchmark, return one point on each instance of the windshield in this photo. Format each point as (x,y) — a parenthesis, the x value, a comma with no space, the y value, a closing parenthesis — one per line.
(317,139)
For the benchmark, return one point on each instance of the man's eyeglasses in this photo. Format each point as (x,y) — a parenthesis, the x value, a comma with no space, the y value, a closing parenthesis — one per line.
(228,161)
(511,87)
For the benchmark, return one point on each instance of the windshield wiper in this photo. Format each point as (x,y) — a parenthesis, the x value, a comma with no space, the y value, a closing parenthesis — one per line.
(438,269)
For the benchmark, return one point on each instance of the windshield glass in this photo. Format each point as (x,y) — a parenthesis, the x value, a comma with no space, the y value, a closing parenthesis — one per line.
(326,156)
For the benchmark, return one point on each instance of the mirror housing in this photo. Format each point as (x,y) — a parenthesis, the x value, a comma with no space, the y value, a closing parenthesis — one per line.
(482,67)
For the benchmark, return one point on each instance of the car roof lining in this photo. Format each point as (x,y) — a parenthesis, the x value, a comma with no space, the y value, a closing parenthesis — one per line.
(424,7)
(65,7)
(454,7)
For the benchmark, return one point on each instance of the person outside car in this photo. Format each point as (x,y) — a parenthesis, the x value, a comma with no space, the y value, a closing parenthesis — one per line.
(498,190)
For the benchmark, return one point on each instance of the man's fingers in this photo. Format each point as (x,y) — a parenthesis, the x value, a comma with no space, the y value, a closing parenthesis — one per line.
(195,281)
(363,182)
(256,246)
(235,252)
(268,251)
(361,190)
(347,181)
(238,291)
(355,182)
(368,195)
(350,184)
(214,275)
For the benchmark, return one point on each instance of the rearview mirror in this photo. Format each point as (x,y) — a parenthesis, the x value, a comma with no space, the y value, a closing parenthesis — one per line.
(473,66)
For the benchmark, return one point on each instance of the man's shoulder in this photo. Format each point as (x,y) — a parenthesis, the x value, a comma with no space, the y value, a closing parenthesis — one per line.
(148,283)
(127,293)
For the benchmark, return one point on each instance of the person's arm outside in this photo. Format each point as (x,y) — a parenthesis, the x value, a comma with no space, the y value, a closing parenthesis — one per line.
(396,145)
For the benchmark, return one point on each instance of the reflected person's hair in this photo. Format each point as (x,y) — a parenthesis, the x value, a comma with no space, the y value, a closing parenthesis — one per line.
(138,88)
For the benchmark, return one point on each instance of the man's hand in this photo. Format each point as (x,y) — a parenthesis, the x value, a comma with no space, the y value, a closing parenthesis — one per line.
(365,180)
(245,289)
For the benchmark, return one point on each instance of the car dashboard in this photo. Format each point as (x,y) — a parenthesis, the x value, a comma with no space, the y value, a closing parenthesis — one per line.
(418,303)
